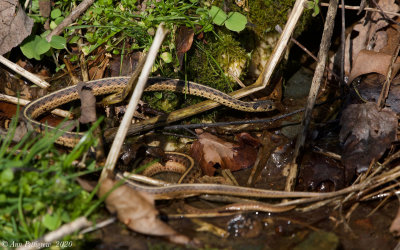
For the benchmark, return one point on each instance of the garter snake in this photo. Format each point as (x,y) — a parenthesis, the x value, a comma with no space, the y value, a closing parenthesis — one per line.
(185,188)
(116,84)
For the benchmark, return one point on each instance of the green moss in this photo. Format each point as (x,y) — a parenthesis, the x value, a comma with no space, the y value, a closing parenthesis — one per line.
(266,14)
(212,63)
(164,101)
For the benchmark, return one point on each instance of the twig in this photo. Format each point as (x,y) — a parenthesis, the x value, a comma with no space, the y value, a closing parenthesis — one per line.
(24,102)
(28,75)
(260,84)
(386,86)
(279,29)
(99,225)
(137,93)
(75,13)
(382,12)
(221,124)
(316,82)
(61,232)
(349,7)
(343,43)
(263,154)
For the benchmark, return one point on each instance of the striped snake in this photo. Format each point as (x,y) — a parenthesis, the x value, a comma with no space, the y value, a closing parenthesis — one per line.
(116,84)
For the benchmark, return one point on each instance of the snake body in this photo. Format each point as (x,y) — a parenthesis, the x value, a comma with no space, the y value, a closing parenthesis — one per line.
(116,84)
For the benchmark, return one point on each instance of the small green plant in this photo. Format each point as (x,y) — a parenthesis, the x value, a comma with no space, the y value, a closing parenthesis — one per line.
(233,21)
(38,192)
(110,24)
(313,5)
(37,46)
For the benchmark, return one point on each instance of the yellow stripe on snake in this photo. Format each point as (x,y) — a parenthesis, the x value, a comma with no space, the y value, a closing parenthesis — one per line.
(116,84)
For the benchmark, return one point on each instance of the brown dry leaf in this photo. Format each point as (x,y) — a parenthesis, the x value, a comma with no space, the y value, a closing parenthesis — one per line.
(379,20)
(373,62)
(209,151)
(184,40)
(12,19)
(366,33)
(127,66)
(136,210)
(395,227)
(88,104)
(366,133)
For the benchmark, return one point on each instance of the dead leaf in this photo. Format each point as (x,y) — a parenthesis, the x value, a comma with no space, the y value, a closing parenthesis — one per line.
(128,65)
(395,226)
(210,151)
(366,34)
(379,20)
(136,210)
(183,42)
(373,62)
(366,133)
(88,104)
(15,25)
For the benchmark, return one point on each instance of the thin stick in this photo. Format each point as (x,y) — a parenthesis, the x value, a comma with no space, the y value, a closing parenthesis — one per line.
(137,93)
(316,82)
(349,7)
(58,234)
(221,124)
(382,12)
(99,225)
(386,86)
(279,29)
(23,102)
(343,44)
(75,13)
(28,75)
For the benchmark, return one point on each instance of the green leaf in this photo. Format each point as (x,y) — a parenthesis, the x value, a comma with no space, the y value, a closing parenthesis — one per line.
(58,42)
(310,5)
(58,20)
(51,222)
(97,11)
(62,66)
(236,21)
(53,25)
(167,57)
(55,13)
(44,34)
(7,175)
(218,15)
(34,47)
(3,197)
(316,11)
(158,95)
(74,39)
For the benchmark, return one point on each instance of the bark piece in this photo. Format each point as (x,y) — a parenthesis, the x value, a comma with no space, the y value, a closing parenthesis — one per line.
(15,25)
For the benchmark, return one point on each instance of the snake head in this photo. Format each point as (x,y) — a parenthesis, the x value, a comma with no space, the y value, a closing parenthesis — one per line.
(264,106)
